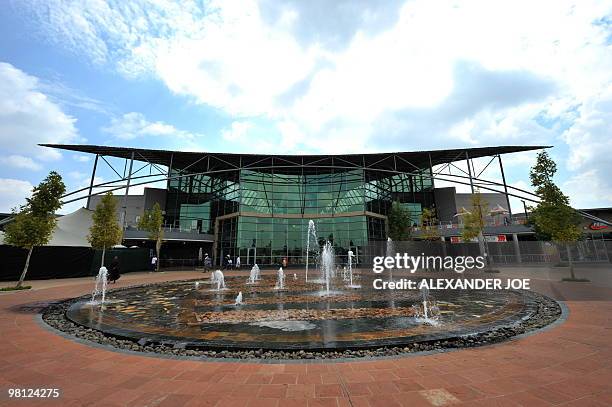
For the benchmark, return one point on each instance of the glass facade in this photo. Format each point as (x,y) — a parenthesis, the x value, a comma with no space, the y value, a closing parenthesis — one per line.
(262,215)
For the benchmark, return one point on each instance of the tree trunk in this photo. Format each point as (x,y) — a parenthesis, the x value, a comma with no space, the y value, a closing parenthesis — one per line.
(569,260)
(158,249)
(483,250)
(25,268)
(103,252)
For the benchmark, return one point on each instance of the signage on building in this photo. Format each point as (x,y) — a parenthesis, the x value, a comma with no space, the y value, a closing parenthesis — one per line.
(598,226)
(497,238)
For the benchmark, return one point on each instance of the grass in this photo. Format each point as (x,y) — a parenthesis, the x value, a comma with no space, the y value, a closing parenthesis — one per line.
(23,287)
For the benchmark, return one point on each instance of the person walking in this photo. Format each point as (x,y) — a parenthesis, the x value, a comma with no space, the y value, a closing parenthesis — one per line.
(238,263)
(207,263)
(154,263)
(113,270)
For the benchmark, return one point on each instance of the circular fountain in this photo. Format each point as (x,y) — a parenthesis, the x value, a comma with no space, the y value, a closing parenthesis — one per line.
(298,318)
(336,315)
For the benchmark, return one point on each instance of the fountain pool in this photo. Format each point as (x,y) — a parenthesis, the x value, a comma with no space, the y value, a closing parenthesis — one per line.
(300,318)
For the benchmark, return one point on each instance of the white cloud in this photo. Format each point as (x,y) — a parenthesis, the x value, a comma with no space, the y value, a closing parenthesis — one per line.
(19,161)
(237,131)
(364,76)
(134,125)
(13,193)
(590,149)
(28,117)
(81,158)
(589,189)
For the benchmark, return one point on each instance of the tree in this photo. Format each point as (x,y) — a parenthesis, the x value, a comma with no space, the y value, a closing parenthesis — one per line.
(430,231)
(474,221)
(399,222)
(105,230)
(152,222)
(553,218)
(428,222)
(34,223)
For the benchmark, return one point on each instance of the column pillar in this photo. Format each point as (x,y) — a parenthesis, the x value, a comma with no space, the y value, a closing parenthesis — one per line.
(169,172)
(467,159)
(93,175)
(517,248)
(501,167)
(127,190)
(482,245)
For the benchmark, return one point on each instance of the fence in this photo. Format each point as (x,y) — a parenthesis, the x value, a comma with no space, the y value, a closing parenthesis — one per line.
(65,262)
(500,253)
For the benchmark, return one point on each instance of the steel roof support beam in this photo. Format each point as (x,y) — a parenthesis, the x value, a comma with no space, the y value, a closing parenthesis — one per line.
(501,168)
(91,182)
(127,190)
(467,158)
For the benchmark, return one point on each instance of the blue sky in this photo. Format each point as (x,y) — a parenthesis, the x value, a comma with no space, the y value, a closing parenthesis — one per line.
(306,77)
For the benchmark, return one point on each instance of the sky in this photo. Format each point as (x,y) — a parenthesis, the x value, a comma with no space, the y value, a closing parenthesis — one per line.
(306,77)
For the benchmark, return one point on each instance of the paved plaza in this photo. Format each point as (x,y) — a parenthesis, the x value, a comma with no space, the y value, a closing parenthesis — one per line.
(569,364)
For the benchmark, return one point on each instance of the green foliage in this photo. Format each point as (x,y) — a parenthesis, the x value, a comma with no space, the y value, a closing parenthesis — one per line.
(18,288)
(152,221)
(399,222)
(28,230)
(428,222)
(474,222)
(553,218)
(35,221)
(105,230)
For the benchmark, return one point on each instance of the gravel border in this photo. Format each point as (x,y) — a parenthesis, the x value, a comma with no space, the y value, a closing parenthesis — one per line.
(550,314)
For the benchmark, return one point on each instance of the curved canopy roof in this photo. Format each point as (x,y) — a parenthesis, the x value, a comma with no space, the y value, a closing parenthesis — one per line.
(204,161)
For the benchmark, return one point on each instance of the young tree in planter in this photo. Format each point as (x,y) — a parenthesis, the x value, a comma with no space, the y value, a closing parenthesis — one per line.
(553,218)
(474,222)
(105,230)
(34,223)
(430,232)
(400,222)
(428,222)
(152,221)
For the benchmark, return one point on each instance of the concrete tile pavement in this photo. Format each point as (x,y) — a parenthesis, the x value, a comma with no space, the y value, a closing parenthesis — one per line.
(567,365)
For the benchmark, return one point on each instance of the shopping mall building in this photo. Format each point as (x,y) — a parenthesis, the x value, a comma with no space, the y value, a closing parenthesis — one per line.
(258,206)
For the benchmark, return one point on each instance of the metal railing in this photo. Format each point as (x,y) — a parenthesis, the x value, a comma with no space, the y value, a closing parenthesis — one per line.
(460,225)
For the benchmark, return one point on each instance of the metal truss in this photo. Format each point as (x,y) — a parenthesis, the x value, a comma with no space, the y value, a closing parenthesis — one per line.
(387,166)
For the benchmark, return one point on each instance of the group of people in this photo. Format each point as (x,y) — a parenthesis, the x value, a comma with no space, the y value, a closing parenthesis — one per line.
(228,263)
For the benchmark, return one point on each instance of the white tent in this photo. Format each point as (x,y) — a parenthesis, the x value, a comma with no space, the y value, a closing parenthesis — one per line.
(498,210)
(72,229)
(462,212)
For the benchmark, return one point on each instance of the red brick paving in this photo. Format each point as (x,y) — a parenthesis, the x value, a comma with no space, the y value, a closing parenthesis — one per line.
(567,365)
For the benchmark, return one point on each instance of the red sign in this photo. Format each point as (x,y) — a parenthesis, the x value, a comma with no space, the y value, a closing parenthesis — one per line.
(597,226)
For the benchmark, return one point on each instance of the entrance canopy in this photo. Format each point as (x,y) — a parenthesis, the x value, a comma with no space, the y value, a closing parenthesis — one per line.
(205,161)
